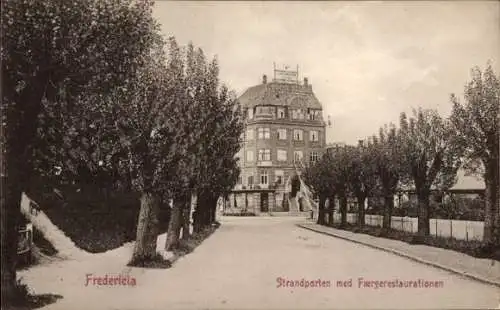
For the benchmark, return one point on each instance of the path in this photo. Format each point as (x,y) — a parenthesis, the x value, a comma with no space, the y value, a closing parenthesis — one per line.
(238,266)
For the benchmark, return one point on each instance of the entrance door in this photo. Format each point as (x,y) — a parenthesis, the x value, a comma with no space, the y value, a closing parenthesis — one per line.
(264,202)
(286,206)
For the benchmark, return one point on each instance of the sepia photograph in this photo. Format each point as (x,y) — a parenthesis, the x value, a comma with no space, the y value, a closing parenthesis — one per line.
(250,155)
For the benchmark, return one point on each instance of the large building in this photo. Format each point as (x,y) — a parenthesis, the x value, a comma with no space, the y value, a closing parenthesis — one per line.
(284,128)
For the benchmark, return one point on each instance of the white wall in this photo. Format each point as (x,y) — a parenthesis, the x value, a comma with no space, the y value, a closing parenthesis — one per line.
(463,230)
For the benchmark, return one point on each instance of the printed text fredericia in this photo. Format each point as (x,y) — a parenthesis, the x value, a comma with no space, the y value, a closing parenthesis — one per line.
(109,280)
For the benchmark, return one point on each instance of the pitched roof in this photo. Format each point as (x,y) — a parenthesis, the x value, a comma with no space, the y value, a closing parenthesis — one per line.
(464,181)
(280,94)
(470,182)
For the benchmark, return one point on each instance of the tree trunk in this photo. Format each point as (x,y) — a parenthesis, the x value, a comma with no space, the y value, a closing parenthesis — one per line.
(10,215)
(331,209)
(388,207)
(361,211)
(175,225)
(321,210)
(213,211)
(147,228)
(491,216)
(343,210)
(198,212)
(16,143)
(186,219)
(423,196)
(207,211)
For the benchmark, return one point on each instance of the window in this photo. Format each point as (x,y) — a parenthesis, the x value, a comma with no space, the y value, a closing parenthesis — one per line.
(298,134)
(240,179)
(264,133)
(282,155)
(281,112)
(279,176)
(250,134)
(298,114)
(313,157)
(263,177)
(250,180)
(250,113)
(264,154)
(298,155)
(249,156)
(313,136)
(281,134)
(311,114)
(265,110)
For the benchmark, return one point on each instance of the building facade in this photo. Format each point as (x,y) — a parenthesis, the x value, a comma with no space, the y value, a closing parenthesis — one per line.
(284,128)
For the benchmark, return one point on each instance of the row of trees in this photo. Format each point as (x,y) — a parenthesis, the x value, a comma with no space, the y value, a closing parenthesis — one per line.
(424,153)
(91,92)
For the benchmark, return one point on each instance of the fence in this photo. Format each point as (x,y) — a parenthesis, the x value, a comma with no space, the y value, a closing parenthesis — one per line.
(462,230)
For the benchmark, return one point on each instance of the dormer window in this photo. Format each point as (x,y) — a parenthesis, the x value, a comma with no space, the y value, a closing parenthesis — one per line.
(297,114)
(314,114)
(265,110)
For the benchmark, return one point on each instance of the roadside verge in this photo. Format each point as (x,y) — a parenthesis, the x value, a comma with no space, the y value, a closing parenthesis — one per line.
(484,270)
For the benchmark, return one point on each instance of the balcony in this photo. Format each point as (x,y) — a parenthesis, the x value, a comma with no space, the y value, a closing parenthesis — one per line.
(265,163)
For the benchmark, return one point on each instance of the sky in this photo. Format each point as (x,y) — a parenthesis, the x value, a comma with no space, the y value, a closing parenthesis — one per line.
(367,61)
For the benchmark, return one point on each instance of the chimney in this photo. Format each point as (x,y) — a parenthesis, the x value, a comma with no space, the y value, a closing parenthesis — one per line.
(306,82)
(264,79)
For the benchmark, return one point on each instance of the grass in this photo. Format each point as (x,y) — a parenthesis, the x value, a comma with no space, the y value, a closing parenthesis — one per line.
(94,223)
(187,246)
(242,213)
(155,262)
(183,248)
(473,248)
(23,299)
(43,245)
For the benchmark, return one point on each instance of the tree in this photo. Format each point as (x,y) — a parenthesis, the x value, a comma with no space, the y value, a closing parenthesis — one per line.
(429,157)
(79,46)
(151,122)
(388,166)
(476,123)
(319,176)
(211,142)
(362,179)
(341,158)
(218,170)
